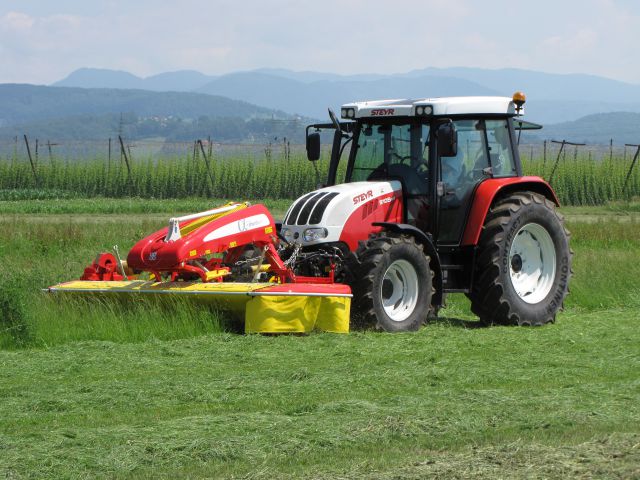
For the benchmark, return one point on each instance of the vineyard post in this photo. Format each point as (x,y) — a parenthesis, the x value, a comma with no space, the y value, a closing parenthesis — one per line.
(544,155)
(206,161)
(33,167)
(555,165)
(610,151)
(123,152)
(561,152)
(195,164)
(633,163)
(109,157)
(49,145)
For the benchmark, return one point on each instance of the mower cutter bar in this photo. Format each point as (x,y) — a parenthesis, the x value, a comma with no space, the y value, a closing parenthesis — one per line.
(267,307)
(197,288)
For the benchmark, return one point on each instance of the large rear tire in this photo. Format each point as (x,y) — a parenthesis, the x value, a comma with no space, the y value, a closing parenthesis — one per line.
(523,264)
(393,284)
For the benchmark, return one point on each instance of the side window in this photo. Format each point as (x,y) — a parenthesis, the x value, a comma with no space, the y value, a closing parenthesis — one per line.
(466,167)
(409,157)
(500,152)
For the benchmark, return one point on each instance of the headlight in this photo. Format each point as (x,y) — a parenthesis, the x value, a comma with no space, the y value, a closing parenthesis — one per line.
(348,113)
(314,234)
(287,234)
(424,110)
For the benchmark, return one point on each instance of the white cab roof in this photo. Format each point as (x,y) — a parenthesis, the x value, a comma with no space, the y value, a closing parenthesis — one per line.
(441,106)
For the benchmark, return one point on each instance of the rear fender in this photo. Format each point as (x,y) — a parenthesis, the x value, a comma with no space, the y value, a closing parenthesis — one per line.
(429,247)
(493,189)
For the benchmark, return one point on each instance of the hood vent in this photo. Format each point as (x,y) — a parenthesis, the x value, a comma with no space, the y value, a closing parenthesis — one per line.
(303,218)
(295,210)
(316,216)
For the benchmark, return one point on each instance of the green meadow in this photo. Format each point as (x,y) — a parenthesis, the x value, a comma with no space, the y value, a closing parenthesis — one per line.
(142,390)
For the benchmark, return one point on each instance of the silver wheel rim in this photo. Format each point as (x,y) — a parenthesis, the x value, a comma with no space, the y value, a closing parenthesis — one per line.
(532,261)
(399,290)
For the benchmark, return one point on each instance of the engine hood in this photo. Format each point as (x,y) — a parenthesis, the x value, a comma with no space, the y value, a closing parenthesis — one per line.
(331,207)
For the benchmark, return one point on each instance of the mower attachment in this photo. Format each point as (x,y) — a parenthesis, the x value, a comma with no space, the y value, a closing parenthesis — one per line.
(203,256)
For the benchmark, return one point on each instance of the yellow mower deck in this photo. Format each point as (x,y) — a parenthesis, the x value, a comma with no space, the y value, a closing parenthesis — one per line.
(267,307)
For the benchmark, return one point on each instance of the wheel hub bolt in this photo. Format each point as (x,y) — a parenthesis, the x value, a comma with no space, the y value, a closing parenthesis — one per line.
(516,263)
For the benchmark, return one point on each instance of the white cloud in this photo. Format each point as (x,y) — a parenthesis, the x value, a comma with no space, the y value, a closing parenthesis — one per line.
(16,21)
(42,41)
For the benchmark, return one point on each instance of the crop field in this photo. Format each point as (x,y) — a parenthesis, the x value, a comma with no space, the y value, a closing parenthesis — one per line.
(577,181)
(142,390)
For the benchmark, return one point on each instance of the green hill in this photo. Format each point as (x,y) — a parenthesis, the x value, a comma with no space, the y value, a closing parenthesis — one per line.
(21,104)
(60,113)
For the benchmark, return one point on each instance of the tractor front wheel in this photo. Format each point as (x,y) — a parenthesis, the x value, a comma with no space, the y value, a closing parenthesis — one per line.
(393,286)
(523,263)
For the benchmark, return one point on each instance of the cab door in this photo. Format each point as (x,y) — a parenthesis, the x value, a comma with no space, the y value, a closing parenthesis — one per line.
(458,177)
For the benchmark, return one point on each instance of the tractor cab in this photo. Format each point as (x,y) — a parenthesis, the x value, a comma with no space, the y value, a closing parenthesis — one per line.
(439,149)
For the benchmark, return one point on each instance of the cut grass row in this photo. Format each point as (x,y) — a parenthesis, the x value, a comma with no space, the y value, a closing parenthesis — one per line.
(555,402)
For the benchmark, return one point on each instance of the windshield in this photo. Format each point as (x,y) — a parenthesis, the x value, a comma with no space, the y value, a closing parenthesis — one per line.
(393,151)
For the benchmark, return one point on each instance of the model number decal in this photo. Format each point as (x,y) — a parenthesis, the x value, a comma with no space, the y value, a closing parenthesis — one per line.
(387,200)
(382,111)
(362,197)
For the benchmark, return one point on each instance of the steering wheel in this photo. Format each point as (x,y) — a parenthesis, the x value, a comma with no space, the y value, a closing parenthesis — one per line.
(400,157)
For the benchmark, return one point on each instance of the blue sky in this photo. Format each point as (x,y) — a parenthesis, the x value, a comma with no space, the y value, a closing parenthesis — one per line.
(42,41)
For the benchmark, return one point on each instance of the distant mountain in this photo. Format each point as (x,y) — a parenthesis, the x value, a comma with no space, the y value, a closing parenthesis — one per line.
(552,98)
(622,127)
(308,76)
(312,99)
(180,81)
(100,78)
(539,85)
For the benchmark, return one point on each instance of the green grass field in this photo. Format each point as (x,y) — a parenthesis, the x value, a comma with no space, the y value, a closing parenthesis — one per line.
(139,390)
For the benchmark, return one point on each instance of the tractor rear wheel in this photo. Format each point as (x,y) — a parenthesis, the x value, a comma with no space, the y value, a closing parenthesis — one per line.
(523,263)
(393,284)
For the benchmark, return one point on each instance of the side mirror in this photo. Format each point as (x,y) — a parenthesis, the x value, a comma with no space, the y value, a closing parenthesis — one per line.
(447,140)
(313,146)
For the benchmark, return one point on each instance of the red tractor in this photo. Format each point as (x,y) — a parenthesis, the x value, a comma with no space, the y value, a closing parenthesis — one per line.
(423,198)
(427,197)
